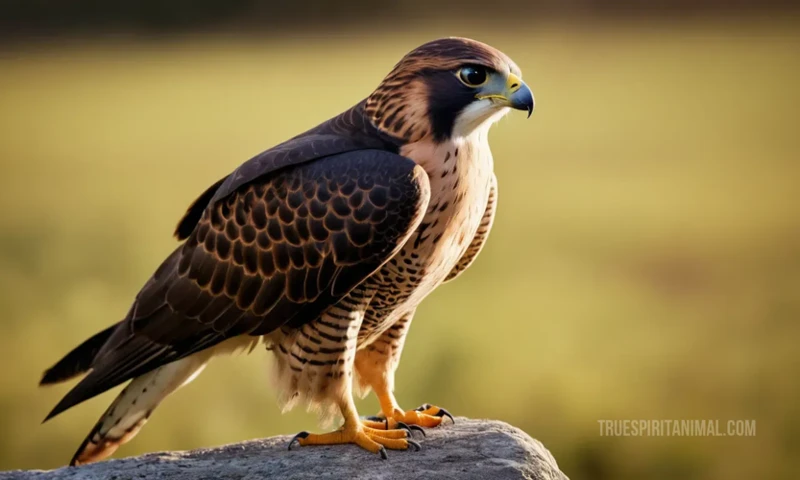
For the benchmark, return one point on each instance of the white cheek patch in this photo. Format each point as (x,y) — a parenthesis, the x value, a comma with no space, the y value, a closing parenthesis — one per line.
(480,113)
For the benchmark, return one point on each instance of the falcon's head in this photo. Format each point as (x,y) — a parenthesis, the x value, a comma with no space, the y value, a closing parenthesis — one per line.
(447,88)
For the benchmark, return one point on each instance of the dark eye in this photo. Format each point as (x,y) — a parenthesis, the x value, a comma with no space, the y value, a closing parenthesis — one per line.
(472,76)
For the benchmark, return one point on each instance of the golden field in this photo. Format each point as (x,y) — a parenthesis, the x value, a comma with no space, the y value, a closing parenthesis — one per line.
(645,261)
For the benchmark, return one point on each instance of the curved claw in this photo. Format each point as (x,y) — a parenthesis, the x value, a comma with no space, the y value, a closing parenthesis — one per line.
(404,426)
(383,453)
(297,438)
(417,446)
(411,428)
(444,413)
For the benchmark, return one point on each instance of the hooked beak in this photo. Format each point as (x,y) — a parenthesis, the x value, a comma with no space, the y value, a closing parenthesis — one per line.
(516,95)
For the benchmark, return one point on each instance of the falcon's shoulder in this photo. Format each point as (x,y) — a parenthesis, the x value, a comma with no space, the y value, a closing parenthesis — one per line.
(348,132)
(280,249)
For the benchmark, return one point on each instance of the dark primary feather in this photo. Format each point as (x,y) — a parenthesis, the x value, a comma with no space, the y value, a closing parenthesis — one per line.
(78,360)
(280,249)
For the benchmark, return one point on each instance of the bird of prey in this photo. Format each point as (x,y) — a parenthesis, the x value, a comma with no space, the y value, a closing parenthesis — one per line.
(321,247)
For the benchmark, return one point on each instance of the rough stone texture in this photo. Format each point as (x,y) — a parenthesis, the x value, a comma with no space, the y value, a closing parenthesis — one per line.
(470,449)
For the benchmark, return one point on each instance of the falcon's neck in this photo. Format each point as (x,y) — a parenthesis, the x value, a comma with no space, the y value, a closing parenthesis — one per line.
(460,170)
(458,157)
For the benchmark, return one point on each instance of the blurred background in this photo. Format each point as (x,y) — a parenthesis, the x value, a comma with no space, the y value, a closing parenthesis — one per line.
(645,261)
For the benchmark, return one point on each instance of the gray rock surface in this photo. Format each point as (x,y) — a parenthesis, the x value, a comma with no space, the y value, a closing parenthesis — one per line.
(470,449)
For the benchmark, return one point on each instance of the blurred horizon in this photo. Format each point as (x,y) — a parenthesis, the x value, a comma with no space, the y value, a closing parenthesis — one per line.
(644,263)
(25,21)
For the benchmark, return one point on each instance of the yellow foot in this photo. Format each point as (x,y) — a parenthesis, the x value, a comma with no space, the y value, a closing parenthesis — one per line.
(371,439)
(425,416)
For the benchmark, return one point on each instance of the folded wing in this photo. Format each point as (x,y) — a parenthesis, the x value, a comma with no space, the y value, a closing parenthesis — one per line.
(281,248)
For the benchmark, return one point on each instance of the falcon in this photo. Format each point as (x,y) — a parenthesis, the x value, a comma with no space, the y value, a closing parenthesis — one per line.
(321,248)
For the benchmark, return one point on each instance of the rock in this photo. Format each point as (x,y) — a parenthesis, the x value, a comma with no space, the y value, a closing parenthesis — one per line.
(470,449)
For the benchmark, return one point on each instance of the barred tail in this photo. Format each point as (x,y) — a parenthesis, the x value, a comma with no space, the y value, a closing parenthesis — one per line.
(131,409)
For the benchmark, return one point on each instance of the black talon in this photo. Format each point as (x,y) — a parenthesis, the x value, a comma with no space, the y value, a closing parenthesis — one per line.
(405,427)
(411,428)
(383,453)
(444,413)
(297,438)
(414,444)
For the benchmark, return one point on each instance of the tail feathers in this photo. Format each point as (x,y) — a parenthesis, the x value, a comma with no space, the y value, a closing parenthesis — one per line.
(131,409)
(78,360)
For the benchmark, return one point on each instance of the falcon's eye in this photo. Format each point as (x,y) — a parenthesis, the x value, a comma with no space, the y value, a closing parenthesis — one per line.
(473,76)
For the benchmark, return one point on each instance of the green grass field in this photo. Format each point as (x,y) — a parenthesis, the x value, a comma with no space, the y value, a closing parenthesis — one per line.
(645,262)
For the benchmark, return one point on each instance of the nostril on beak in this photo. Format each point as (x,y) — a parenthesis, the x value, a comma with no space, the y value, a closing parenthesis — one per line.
(515,85)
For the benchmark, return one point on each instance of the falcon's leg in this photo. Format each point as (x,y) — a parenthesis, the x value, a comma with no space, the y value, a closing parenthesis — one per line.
(376,364)
(319,357)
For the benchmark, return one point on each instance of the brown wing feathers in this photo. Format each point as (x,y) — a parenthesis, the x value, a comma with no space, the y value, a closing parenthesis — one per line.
(349,131)
(277,250)
(195,211)
(78,360)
